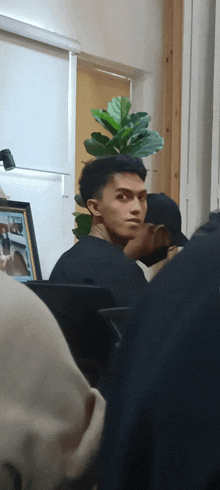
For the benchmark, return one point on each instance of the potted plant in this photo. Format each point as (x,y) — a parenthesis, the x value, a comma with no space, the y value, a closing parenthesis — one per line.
(129,134)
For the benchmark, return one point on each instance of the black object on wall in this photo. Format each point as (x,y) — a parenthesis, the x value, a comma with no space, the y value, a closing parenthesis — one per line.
(8,160)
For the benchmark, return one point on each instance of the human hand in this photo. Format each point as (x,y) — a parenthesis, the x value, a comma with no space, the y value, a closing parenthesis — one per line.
(150,237)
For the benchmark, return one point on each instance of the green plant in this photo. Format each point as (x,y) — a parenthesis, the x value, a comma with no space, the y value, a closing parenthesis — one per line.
(130,134)
(84,224)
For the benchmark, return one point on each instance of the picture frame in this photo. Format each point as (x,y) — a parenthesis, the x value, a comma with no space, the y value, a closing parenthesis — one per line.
(18,247)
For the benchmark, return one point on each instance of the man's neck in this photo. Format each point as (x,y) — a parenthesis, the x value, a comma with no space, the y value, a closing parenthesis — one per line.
(99,231)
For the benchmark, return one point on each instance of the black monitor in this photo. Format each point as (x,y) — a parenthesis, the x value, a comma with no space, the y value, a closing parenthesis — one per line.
(75,308)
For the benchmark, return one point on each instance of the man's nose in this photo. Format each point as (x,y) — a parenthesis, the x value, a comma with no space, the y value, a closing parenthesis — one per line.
(137,205)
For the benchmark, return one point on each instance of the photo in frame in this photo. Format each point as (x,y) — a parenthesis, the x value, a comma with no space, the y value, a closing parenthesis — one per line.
(18,247)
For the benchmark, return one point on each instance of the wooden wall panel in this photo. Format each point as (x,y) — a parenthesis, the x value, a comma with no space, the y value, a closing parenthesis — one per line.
(169,172)
(168,178)
(176,99)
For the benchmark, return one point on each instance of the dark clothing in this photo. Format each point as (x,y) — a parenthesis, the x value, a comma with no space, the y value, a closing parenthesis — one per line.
(96,261)
(162,428)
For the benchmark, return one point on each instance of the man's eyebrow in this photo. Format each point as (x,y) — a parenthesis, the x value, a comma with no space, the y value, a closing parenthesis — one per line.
(125,189)
(122,189)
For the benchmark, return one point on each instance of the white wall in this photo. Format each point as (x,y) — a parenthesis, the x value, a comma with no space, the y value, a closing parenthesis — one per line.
(122,32)
(128,31)
(197,112)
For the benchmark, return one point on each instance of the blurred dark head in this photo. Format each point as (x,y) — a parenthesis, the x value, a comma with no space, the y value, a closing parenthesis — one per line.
(162,210)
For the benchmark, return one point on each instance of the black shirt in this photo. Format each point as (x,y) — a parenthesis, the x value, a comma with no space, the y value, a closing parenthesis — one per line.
(95,261)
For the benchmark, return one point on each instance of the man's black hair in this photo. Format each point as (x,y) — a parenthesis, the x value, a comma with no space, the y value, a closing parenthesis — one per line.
(96,174)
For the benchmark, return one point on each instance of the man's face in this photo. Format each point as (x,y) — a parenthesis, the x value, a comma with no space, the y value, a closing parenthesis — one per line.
(123,205)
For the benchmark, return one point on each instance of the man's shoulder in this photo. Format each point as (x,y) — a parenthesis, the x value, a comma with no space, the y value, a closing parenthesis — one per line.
(88,256)
(95,255)
(88,246)
(96,247)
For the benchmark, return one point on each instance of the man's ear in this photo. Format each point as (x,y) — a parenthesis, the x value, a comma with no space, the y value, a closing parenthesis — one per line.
(161,238)
(93,207)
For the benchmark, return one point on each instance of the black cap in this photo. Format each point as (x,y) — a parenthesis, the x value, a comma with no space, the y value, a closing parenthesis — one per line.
(162,210)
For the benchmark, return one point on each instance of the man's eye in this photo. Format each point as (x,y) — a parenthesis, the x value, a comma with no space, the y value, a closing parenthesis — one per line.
(122,197)
(142,198)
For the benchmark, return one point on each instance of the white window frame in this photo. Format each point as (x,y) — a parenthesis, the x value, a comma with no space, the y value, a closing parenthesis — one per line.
(196,141)
(71,46)
(215,178)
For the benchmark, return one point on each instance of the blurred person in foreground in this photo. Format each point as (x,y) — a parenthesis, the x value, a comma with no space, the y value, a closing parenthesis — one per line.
(50,419)
(162,427)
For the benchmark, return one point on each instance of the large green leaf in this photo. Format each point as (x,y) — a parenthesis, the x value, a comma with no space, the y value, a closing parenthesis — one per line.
(134,118)
(124,134)
(118,108)
(141,125)
(84,222)
(146,146)
(100,138)
(106,120)
(140,130)
(99,145)
(137,128)
(120,139)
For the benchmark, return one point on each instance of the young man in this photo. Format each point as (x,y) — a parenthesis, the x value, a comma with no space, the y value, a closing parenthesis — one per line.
(114,192)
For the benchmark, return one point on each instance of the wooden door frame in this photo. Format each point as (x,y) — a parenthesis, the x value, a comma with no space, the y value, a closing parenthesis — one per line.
(173,44)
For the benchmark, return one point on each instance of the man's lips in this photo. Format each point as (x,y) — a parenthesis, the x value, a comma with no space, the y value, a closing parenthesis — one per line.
(134,220)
